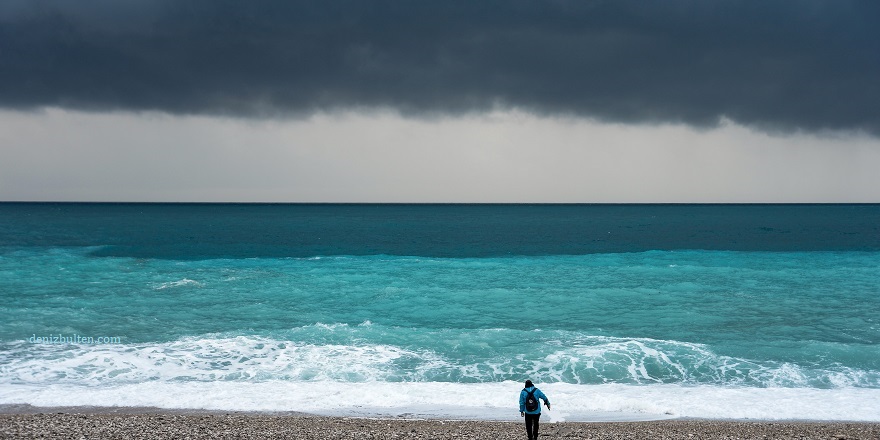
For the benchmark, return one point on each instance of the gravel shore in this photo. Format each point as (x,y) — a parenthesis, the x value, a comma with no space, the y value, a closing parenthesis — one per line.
(254,426)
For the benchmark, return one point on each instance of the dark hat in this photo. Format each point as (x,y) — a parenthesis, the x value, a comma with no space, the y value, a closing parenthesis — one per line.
(529,384)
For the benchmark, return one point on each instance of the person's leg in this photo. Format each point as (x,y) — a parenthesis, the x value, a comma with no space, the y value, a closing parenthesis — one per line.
(532,426)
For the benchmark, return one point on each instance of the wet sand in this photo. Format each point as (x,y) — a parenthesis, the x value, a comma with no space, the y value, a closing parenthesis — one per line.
(151,423)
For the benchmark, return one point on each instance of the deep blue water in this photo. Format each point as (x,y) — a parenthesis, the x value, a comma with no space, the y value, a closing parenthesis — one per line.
(199,231)
(693,310)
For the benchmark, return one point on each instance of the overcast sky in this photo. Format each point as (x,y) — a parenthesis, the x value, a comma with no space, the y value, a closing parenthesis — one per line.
(440,101)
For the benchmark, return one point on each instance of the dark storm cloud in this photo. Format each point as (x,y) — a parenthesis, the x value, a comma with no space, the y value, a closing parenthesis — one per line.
(787,65)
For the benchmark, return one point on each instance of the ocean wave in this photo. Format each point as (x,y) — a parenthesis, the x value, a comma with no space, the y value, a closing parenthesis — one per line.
(368,352)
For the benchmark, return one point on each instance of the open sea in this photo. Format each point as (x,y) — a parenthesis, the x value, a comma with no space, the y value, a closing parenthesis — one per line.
(617,312)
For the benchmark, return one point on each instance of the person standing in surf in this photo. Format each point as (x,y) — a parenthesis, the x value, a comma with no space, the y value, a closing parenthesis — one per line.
(530,408)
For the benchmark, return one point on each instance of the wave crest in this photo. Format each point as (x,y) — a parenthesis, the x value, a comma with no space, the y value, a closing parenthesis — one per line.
(369,352)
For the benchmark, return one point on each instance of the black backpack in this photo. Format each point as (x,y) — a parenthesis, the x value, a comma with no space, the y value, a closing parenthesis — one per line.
(531,400)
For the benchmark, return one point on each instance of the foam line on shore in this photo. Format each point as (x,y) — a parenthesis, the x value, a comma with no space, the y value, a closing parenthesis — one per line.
(493,401)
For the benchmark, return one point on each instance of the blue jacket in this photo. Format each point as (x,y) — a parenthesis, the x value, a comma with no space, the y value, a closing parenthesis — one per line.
(538,395)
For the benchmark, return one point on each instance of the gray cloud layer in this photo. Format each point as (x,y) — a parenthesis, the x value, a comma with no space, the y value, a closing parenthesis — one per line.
(786,65)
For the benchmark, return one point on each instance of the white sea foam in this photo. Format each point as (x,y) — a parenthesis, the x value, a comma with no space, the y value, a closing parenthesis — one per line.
(238,358)
(341,372)
(339,352)
(178,283)
(496,401)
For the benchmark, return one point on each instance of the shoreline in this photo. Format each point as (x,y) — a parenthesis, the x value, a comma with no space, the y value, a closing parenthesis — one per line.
(26,409)
(92,422)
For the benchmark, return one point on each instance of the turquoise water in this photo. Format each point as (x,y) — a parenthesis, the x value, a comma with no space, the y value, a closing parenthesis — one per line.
(221,320)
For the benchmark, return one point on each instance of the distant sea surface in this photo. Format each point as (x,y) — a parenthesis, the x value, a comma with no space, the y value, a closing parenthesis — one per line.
(615,311)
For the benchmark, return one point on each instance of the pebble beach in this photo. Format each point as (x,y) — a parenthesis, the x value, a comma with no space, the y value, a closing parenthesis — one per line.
(92,425)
